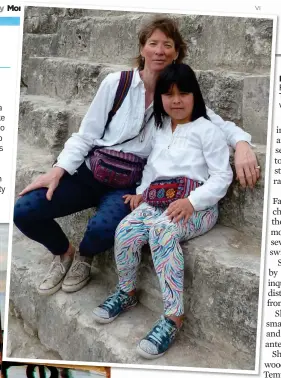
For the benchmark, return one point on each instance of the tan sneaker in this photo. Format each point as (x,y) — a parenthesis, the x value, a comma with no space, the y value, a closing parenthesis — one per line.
(78,275)
(52,282)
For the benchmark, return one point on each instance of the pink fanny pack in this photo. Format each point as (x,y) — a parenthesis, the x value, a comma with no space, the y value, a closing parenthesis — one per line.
(115,168)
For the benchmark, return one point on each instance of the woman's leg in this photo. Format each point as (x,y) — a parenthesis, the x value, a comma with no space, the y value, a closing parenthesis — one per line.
(131,235)
(99,237)
(34,216)
(168,259)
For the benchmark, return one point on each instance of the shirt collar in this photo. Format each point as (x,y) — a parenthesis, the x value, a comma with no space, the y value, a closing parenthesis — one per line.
(136,78)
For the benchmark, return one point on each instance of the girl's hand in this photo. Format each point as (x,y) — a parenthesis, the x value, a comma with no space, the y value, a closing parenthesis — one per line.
(49,180)
(134,199)
(179,209)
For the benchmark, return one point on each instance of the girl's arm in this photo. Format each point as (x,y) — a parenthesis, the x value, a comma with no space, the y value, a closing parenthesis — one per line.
(216,153)
(79,144)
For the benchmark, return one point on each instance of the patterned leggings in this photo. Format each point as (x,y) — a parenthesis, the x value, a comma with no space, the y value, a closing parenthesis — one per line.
(149,224)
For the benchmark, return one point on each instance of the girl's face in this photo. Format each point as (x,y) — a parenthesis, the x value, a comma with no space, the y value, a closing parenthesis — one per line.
(158,52)
(178,105)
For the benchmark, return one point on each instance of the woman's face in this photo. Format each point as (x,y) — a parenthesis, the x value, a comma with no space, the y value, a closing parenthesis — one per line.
(158,52)
(178,105)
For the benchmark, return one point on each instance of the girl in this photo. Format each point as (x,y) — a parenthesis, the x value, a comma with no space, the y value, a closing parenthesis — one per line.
(186,175)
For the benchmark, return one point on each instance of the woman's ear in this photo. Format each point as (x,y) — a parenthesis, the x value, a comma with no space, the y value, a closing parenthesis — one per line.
(177,55)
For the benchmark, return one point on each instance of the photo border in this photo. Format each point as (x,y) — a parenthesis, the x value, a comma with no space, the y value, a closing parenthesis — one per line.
(265,226)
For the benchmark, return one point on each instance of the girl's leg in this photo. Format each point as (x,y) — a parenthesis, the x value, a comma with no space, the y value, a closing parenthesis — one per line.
(131,235)
(168,259)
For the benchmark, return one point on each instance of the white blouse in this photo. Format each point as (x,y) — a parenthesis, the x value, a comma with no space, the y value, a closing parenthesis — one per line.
(126,123)
(197,150)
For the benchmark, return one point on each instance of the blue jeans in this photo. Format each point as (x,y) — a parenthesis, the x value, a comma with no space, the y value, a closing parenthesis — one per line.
(34,215)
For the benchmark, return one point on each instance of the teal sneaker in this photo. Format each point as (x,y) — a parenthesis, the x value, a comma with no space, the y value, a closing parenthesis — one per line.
(159,339)
(113,306)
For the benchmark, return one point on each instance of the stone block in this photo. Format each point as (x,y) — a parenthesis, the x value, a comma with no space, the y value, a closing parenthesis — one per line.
(60,318)
(243,44)
(67,79)
(45,122)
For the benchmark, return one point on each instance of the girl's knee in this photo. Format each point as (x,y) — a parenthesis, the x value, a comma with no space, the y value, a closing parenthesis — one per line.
(162,230)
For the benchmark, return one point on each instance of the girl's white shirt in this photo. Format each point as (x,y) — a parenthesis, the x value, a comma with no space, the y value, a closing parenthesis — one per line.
(197,150)
(126,123)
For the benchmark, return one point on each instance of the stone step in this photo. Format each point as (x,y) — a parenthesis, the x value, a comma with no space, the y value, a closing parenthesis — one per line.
(41,20)
(47,122)
(67,79)
(36,45)
(236,47)
(241,209)
(239,97)
(55,318)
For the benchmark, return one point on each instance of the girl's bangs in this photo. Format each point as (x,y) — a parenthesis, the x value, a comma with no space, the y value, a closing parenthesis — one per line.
(184,83)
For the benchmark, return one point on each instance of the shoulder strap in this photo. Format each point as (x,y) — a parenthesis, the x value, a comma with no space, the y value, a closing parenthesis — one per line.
(121,92)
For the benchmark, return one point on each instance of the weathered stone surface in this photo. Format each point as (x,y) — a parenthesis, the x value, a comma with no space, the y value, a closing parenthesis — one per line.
(231,95)
(31,162)
(243,208)
(35,45)
(255,107)
(47,122)
(60,318)
(47,20)
(229,43)
(67,79)
(242,45)
(29,343)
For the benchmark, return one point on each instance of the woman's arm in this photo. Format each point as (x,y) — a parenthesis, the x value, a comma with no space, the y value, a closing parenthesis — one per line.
(244,159)
(216,153)
(79,144)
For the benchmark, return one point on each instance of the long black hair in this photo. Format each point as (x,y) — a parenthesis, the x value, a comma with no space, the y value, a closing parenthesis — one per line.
(185,79)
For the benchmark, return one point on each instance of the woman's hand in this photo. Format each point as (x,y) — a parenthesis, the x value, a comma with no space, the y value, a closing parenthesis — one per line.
(134,199)
(179,209)
(246,165)
(48,180)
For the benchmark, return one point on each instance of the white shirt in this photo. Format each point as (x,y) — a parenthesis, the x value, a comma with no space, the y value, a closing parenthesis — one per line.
(196,150)
(126,123)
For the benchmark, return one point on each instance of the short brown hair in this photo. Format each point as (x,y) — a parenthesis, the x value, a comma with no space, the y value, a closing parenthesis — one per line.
(169,27)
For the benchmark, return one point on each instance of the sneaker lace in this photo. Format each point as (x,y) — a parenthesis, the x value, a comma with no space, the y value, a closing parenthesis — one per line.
(162,330)
(78,268)
(56,266)
(113,300)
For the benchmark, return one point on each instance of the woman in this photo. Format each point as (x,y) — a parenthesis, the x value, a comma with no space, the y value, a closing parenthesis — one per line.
(70,186)
(187,173)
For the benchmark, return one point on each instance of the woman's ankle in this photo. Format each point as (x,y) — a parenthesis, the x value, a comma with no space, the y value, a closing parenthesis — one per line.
(69,253)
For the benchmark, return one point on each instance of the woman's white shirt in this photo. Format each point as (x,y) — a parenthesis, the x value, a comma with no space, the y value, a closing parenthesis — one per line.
(126,123)
(197,150)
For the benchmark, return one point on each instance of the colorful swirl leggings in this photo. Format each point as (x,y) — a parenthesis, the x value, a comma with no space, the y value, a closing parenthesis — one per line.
(149,224)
